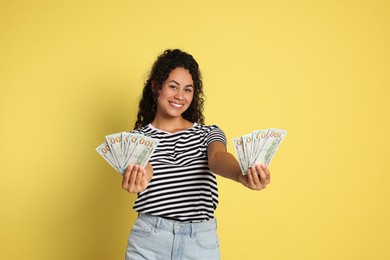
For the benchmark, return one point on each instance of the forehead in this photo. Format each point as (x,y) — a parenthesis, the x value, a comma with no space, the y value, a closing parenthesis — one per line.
(180,75)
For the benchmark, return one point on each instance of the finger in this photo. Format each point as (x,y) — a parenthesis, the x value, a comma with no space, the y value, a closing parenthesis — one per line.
(132,186)
(250,179)
(133,175)
(256,183)
(138,178)
(126,176)
(256,177)
(261,174)
(267,173)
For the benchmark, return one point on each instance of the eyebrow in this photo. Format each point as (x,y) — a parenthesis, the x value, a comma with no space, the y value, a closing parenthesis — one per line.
(174,81)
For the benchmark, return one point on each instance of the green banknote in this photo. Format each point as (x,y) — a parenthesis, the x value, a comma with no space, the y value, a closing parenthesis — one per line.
(122,149)
(258,147)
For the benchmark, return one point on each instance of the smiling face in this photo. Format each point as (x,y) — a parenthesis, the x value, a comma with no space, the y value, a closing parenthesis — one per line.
(176,94)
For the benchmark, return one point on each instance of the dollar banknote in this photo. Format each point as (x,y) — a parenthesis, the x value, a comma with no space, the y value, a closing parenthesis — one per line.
(105,151)
(257,147)
(122,149)
(238,146)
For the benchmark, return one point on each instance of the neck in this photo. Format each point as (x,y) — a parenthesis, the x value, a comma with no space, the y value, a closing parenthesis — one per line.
(171,125)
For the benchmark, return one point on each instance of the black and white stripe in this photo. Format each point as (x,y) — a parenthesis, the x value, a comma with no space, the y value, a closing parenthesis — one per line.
(182,188)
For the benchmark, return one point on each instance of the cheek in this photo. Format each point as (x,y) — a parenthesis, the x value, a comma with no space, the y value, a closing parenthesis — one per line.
(158,101)
(190,99)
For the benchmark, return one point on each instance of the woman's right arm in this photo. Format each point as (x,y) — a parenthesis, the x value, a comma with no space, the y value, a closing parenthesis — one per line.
(224,164)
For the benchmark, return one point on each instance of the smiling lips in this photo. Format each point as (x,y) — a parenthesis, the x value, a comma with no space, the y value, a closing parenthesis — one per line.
(176,105)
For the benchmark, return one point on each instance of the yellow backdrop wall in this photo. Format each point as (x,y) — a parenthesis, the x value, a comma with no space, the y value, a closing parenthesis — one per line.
(71,72)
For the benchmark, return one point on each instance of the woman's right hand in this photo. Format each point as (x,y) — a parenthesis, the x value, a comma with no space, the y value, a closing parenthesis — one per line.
(257,178)
(135,179)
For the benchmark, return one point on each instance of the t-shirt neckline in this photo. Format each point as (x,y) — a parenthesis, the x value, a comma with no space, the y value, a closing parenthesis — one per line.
(166,132)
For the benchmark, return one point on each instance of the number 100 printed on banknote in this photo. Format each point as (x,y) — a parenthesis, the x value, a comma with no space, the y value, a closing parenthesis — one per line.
(122,149)
(259,146)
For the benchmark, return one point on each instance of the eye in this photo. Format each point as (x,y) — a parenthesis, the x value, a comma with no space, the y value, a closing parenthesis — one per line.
(173,87)
(188,90)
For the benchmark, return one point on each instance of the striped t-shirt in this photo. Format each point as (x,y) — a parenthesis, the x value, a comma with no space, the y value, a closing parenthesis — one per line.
(182,188)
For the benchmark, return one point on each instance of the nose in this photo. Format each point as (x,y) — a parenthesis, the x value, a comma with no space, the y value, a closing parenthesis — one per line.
(179,95)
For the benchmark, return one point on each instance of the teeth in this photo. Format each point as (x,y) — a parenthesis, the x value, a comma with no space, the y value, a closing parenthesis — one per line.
(176,105)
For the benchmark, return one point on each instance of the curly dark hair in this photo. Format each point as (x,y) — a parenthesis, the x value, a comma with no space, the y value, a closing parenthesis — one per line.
(165,63)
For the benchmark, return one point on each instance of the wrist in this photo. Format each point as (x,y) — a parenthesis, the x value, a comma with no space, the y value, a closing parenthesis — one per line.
(238,177)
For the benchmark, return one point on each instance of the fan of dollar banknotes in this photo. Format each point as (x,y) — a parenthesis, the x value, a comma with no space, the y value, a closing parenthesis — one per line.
(257,147)
(122,149)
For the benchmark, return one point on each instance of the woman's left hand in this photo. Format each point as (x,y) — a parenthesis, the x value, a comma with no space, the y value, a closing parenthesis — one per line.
(257,178)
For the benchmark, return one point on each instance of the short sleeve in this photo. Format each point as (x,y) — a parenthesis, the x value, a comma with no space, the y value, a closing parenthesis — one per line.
(215,134)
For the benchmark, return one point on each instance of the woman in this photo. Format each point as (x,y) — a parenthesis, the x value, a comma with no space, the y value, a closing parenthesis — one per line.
(177,190)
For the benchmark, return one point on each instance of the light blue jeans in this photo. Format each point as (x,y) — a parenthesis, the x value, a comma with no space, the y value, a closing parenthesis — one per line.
(154,238)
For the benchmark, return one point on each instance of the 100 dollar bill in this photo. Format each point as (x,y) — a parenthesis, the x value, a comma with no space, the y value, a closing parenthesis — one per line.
(122,149)
(259,147)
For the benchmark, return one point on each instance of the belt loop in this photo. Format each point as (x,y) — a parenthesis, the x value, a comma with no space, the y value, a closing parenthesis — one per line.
(192,230)
(158,224)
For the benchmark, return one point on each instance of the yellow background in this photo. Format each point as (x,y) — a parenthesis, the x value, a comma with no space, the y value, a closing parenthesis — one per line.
(71,72)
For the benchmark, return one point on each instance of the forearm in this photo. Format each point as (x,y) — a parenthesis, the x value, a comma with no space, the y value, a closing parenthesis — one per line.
(224,164)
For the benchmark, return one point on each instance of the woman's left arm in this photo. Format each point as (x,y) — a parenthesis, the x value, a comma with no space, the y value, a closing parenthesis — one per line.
(224,164)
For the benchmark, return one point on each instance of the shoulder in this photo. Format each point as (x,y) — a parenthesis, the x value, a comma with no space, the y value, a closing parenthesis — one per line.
(145,130)
(208,128)
(213,133)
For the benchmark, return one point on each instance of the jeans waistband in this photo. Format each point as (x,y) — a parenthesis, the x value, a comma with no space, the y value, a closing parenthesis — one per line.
(178,227)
